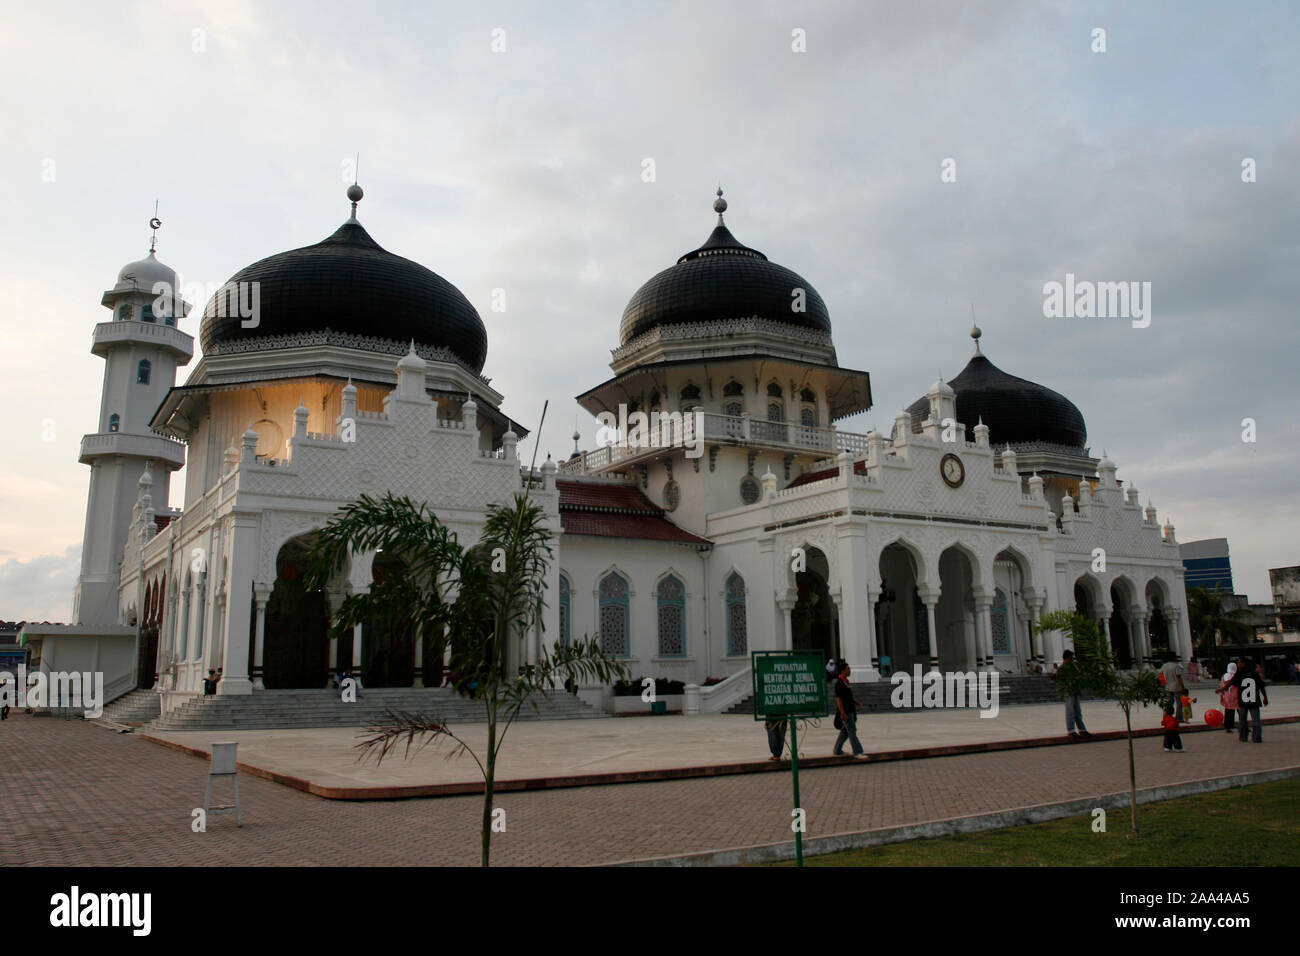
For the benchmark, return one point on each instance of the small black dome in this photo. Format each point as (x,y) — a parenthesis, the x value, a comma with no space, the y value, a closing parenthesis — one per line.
(349,284)
(1015,410)
(722,279)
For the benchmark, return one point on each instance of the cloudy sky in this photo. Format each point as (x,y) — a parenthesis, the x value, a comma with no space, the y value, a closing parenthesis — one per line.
(522,169)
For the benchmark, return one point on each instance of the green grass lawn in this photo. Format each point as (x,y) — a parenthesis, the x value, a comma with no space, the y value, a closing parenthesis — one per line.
(1244,826)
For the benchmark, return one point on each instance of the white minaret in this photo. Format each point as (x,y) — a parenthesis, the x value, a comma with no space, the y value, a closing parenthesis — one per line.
(141,347)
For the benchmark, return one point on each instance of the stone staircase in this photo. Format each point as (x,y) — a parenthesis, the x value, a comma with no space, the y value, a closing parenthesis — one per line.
(134,709)
(874,698)
(296,709)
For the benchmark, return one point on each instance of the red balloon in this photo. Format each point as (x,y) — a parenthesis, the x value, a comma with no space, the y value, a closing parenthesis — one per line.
(1214,718)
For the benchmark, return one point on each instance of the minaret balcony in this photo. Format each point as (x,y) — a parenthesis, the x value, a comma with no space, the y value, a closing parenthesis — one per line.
(166,451)
(821,441)
(109,334)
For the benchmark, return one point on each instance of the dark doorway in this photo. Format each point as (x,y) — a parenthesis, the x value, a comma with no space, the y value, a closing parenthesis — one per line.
(813,619)
(296,643)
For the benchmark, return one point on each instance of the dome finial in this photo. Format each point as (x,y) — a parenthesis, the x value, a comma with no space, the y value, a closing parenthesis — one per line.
(720,205)
(154,224)
(355,192)
(975,331)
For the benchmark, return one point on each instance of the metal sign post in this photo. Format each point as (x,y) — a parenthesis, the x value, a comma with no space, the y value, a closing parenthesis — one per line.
(789,685)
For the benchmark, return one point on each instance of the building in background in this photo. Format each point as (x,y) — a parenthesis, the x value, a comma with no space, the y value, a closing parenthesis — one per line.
(1206,564)
(1285,584)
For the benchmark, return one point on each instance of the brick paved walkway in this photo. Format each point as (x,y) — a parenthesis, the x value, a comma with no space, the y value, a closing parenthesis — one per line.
(75,794)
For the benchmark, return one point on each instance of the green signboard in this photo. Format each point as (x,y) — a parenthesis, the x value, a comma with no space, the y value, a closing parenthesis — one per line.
(788,684)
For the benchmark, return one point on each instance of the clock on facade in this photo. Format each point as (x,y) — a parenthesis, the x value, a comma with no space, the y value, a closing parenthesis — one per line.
(952,470)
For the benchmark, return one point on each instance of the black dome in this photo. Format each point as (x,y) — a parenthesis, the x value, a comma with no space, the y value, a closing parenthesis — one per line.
(349,284)
(722,280)
(1015,410)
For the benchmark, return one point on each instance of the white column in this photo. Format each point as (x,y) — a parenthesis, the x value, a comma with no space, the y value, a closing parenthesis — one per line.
(785,641)
(356,651)
(1035,600)
(983,608)
(261,594)
(930,599)
(417,679)
(873,652)
(234,652)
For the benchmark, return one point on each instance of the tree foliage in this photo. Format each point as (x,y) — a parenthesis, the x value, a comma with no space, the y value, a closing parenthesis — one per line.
(480,600)
(1095,671)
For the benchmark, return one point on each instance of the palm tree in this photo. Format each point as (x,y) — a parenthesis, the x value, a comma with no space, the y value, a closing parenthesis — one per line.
(1207,616)
(1096,670)
(478,599)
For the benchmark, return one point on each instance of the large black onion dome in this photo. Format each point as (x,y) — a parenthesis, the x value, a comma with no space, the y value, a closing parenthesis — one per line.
(349,284)
(722,279)
(1015,410)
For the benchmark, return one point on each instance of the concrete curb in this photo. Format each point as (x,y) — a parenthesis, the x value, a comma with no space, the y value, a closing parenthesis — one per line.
(1002,819)
(417,791)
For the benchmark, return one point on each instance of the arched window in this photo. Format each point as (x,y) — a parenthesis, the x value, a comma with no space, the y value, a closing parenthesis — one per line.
(612,594)
(808,414)
(566,611)
(998,618)
(142,372)
(123,313)
(114,422)
(672,618)
(737,633)
(775,407)
(733,399)
(690,397)
(170,319)
(146,314)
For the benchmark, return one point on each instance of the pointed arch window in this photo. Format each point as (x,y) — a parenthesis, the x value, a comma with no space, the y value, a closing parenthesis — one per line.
(998,623)
(123,313)
(566,609)
(114,422)
(143,371)
(737,628)
(775,404)
(690,397)
(612,595)
(146,314)
(672,617)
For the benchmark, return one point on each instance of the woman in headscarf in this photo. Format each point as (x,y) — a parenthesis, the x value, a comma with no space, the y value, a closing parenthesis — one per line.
(1250,685)
(1228,696)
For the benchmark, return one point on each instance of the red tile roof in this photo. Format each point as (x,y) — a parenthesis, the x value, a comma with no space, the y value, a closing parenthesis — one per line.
(808,477)
(616,511)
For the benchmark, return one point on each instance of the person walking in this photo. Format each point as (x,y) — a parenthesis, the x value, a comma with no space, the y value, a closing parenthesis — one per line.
(846,716)
(1172,673)
(1228,695)
(1251,696)
(776,736)
(210,683)
(1073,708)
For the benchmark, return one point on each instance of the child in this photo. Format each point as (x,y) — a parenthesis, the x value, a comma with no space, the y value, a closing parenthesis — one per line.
(1173,739)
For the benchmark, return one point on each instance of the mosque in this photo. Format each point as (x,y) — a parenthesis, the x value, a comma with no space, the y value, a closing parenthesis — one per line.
(752,522)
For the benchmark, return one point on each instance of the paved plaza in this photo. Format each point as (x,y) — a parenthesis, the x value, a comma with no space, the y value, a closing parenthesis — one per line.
(73,793)
(325,760)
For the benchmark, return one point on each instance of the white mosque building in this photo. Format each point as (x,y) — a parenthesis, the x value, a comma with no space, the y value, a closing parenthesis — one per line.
(760,525)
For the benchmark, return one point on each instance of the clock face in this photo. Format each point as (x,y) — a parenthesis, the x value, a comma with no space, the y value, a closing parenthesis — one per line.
(952,470)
